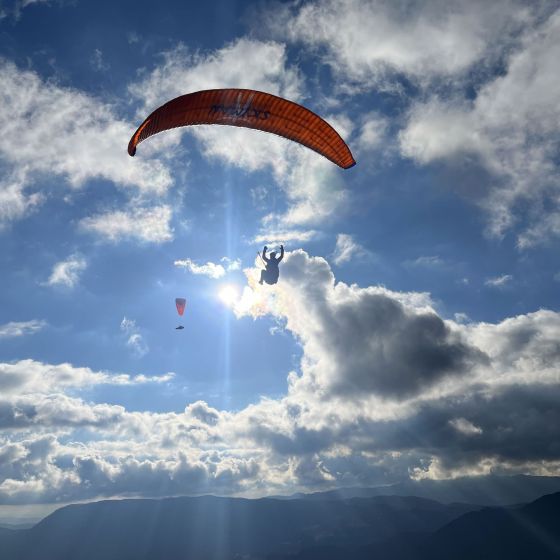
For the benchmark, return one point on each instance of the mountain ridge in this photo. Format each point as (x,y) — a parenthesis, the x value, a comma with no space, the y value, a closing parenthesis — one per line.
(215,527)
(315,527)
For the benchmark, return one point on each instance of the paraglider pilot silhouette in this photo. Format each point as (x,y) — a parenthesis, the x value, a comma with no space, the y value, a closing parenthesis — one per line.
(271,273)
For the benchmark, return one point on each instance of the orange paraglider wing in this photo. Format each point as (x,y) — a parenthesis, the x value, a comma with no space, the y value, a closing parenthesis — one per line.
(180,303)
(250,109)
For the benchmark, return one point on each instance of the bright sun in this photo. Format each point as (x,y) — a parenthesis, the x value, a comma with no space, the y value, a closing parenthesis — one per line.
(228,294)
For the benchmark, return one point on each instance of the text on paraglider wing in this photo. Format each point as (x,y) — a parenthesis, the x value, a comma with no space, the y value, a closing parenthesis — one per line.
(237,112)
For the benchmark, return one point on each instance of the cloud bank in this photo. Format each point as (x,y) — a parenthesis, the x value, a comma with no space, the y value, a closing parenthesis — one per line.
(386,390)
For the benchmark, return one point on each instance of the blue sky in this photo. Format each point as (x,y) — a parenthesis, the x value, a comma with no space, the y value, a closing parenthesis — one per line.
(418,296)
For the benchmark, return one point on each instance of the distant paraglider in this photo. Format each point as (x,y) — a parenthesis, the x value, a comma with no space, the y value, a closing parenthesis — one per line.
(180,303)
(250,109)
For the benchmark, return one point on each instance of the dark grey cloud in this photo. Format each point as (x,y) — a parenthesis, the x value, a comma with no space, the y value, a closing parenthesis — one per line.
(367,340)
(511,429)
(385,379)
(300,441)
(381,348)
(515,425)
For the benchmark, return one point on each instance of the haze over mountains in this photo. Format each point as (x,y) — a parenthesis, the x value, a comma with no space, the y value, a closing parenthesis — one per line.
(311,527)
(491,490)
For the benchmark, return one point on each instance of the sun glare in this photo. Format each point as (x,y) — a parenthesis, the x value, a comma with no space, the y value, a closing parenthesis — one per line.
(229,294)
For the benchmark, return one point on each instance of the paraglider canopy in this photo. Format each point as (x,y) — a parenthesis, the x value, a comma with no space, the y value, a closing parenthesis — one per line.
(250,109)
(180,304)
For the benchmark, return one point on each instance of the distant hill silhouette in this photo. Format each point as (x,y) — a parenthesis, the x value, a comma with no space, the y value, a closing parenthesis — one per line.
(219,528)
(211,528)
(527,532)
(530,532)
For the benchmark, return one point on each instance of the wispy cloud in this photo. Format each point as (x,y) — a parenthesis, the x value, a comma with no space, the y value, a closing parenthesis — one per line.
(465,427)
(347,249)
(67,273)
(135,340)
(132,37)
(498,281)
(147,225)
(16,202)
(97,61)
(31,376)
(18,6)
(431,261)
(22,328)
